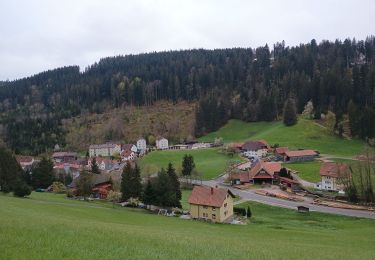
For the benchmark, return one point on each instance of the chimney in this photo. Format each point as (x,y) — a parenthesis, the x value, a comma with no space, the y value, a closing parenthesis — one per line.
(212,191)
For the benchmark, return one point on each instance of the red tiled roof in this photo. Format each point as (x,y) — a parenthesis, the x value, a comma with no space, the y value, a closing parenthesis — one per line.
(264,142)
(281,150)
(254,146)
(300,153)
(333,169)
(126,153)
(24,158)
(208,196)
(270,167)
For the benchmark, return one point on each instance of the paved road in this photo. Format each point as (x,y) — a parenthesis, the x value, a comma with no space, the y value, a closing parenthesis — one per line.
(250,195)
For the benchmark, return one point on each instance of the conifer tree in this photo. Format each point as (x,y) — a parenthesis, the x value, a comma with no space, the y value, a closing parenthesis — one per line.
(42,174)
(148,197)
(165,195)
(175,185)
(290,113)
(94,166)
(131,186)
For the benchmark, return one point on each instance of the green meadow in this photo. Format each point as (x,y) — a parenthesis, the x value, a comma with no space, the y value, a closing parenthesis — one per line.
(309,171)
(305,134)
(48,226)
(209,162)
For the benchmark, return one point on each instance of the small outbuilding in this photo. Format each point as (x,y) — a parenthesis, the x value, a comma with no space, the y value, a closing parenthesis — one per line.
(303,209)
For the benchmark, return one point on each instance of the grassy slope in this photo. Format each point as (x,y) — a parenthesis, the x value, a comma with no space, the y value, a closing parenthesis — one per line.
(308,171)
(31,229)
(306,134)
(209,162)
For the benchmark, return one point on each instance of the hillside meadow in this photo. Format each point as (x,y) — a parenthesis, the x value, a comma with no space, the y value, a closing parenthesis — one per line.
(47,226)
(305,134)
(209,162)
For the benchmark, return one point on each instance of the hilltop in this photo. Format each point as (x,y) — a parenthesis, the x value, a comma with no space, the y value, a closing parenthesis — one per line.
(305,134)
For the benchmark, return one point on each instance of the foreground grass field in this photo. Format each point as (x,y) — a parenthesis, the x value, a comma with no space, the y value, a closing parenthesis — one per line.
(209,162)
(47,226)
(305,134)
(309,171)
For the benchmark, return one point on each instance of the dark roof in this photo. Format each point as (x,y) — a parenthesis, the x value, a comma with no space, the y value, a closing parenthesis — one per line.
(254,146)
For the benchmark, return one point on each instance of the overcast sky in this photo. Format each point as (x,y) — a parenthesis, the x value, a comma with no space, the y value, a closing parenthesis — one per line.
(37,35)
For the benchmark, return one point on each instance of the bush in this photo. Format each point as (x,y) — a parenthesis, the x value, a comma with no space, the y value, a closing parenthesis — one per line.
(58,187)
(70,193)
(22,190)
(239,211)
(248,212)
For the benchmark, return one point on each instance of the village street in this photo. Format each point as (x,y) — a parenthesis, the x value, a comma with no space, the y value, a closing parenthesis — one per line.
(250,195)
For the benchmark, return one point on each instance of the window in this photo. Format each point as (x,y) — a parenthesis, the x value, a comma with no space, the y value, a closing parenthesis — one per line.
(213,208)
(225,213)
(213,216)
(205,215)
(225,205)
(205,207)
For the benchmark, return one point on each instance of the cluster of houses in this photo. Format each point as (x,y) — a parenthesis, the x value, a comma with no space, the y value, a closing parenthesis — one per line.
(266,162)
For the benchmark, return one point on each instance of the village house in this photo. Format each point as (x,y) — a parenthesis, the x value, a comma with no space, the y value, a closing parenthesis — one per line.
(331,173)
(214,204)
(101,190)
(201,145)
(255,149)
(104,164)
(64,157)
(289,184)
(104,150)
(261,172)
(162,143)
(300,156)
(127,155)
(141,145)
(26,162)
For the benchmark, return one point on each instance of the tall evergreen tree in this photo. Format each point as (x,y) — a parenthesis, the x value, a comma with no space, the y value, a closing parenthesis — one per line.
(84,184)
(188,165)
(290,113)
(148,196)
(165,194)
(131,186)
(175,183)
(42,174)
(94,166)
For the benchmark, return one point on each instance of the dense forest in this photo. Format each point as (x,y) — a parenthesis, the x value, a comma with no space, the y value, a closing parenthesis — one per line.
(244,83)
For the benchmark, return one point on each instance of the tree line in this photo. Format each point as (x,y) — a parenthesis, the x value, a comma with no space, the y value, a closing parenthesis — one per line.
(244,83)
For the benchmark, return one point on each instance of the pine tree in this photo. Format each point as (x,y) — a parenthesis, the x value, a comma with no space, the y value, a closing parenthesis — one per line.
(248,212)
(148,197)
(175,183)
(165,195)
(42,174)
(94,166)
(188,165)
(290,113)
(131,186)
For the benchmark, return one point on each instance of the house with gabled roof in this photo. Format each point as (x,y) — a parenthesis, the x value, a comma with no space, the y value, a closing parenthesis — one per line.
(331,173)
(255,149)
(261,172)
(209,203)
(162,143)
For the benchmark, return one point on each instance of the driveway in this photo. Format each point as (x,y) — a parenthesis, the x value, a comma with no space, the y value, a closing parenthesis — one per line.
(250,195)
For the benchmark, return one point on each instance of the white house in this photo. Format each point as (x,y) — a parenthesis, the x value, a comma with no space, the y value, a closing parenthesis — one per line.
(103,163)
(127,155)
(330,173)
(162,143)
(255,149)
(141,144)
(105,150)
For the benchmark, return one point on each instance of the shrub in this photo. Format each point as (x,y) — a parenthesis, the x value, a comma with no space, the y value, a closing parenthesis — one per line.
(22,190)
(248,212)
(58,187)
(239,211)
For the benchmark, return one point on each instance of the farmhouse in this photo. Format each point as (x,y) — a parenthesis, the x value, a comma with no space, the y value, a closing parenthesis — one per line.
(101,190)
(162,143)
(26,162)
(261,172)
(255,149)
(330,173)
(64,157)
(103,163)
(280,152)
(105,150)
(289,184)
(215,204)
(127,155)
(300,156)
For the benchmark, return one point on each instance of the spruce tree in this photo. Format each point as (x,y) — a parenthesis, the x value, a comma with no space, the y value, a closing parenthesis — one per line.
(148,197)
(290,113)
(42,174)
(165,195)
(188,165)
(131,186)
(175,183)
(84,184)
(94,166)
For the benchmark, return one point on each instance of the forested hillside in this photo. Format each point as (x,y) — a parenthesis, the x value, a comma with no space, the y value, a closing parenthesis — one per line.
(244,83)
